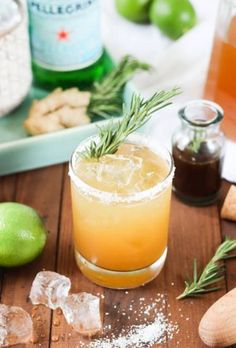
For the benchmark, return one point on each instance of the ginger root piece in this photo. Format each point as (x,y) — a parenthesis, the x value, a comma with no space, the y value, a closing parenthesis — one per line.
(228,210)
(41,125)
(73,117)
(59,110)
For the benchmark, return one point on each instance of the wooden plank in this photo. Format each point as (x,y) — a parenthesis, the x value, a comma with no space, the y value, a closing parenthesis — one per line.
(66,266)
(115,302)
(7,188)
(228,228)
(7,193)
(194,233)
(41,190)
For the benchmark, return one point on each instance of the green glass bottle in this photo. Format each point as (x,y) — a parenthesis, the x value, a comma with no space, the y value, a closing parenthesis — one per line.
(66,43)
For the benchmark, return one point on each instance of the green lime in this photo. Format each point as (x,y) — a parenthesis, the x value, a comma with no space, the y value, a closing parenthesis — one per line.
(22,234)
(134,10)
(173,17)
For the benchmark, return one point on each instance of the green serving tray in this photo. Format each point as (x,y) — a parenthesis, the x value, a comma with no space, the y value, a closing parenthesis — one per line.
(20,152)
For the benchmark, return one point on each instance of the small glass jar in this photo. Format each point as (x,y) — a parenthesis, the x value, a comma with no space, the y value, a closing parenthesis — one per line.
(198,152)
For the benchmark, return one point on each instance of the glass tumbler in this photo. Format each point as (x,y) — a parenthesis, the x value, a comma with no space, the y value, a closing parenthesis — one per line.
(120,240)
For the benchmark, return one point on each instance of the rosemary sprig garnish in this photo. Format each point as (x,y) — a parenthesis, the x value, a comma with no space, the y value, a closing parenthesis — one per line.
(140,111)
(107,95)
(212,273)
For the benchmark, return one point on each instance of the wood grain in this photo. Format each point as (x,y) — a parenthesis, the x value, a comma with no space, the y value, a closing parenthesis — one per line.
(115,303)
(7,188)
(228,228)
(41,189)
(7,194)
(194,232)
(66,265)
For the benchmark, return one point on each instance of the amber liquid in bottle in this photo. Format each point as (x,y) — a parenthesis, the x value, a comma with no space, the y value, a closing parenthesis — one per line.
(221,80)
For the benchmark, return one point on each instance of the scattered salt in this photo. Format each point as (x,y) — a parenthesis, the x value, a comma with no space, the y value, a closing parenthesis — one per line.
(153,327)
(139,335)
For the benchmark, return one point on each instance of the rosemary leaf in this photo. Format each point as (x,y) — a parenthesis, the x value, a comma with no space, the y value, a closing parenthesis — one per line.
(140,111)
(107,95)
(212,273)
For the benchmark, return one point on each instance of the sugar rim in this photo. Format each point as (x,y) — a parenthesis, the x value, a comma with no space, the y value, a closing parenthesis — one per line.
(111,197)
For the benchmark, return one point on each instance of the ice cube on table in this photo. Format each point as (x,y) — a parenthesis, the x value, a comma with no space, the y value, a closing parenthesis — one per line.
(50,289)
(82,312)
(16,326)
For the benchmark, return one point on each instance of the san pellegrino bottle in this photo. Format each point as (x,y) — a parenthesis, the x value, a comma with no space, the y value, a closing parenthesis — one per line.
(66,43)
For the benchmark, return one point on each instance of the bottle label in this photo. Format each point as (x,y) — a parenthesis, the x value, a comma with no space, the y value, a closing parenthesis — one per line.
(65,34)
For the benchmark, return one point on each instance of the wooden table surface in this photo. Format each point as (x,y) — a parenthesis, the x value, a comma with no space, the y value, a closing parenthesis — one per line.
(194,232)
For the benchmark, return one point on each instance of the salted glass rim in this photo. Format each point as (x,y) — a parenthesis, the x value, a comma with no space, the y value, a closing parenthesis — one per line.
(216,108)
(118,197)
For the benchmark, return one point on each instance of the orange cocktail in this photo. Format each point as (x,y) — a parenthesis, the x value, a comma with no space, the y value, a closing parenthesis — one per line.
(121,206)
(221,80)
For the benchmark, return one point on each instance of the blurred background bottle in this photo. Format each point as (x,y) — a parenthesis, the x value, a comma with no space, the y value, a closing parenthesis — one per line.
(66,43)
(221,80)
(15,67)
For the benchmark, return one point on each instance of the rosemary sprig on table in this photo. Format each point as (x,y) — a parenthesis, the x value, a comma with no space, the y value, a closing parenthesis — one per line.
(140,111)
(107,95)
(212,273)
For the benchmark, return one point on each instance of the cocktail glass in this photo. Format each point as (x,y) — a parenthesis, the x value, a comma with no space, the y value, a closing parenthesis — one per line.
(120,240)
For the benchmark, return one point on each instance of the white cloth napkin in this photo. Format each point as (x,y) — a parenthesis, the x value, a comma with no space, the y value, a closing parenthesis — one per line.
(182,63)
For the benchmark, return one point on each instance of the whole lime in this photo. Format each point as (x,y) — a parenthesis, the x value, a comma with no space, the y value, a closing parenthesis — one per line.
(22,234)
(173,17)
(134,10)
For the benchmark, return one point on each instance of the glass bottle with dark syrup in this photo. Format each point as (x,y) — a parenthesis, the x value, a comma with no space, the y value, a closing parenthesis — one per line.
(198,151)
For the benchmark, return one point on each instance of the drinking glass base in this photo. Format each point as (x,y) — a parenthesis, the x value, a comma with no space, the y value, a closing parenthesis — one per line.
(119,279)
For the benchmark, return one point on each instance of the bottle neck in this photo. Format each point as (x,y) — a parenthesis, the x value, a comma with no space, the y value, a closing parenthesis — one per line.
(200,122)
(201,115)
(211,129)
